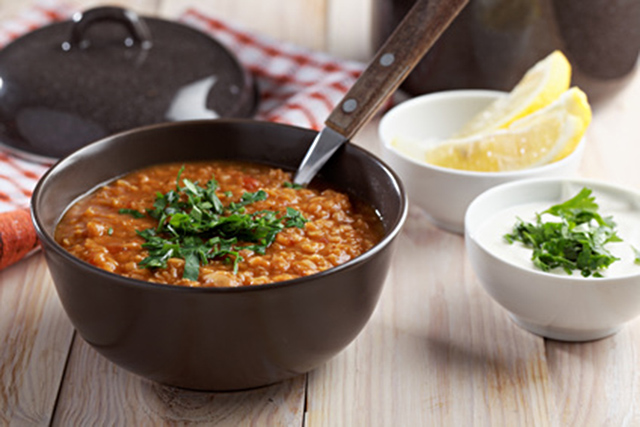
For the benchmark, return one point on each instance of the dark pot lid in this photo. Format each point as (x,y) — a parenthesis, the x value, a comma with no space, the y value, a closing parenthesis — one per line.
(108,70)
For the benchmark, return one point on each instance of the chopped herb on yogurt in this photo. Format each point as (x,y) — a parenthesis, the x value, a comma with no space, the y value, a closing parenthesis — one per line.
(575,242)
(636,252)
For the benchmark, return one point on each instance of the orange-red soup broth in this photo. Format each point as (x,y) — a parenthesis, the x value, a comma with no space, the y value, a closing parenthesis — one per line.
(337,230)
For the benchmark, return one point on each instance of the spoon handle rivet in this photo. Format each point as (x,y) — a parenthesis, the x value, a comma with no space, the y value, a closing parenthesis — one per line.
(387,59)
(350,105)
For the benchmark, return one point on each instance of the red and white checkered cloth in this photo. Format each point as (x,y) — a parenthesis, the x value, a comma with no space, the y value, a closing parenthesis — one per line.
(297,86)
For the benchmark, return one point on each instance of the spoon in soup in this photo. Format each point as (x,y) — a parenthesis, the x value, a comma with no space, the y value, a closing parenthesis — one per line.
(410,41)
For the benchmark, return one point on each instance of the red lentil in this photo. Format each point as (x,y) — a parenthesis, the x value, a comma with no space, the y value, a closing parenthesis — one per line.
(337,230)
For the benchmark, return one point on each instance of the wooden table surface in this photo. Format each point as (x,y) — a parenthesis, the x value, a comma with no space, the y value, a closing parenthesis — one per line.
(437,351)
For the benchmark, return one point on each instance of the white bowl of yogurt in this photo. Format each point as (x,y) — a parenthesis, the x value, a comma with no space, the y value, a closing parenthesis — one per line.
(443,193)
(555,304)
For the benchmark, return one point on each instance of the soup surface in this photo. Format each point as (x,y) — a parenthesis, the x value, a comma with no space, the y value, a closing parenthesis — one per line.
(104,228)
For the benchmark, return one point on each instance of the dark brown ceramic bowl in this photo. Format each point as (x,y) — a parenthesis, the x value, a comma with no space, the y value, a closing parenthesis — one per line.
(211,338)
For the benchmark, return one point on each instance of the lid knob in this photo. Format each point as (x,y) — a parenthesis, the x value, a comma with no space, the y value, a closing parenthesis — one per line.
(138,31)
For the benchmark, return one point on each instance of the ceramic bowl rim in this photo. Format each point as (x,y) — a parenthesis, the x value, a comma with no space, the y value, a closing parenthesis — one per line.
(574,279)
(50,243)
(460,95)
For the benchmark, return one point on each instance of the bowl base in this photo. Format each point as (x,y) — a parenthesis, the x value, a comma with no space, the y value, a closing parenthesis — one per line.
(564,334)
(451,227)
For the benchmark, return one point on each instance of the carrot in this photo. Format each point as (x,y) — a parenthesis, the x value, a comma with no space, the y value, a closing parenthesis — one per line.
(17,236)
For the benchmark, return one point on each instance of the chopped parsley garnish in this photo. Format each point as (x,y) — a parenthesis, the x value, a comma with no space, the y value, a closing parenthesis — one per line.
(293,185)
(134,213)
(193,224)
(576,242)
(636,253)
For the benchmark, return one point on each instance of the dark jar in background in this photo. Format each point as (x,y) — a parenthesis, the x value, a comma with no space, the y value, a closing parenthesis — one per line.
(492,43)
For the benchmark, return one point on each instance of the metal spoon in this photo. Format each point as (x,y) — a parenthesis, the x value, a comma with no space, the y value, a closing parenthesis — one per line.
(415,35)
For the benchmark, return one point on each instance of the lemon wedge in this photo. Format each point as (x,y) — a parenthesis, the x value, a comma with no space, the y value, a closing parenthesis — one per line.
(542,84)
(544,136)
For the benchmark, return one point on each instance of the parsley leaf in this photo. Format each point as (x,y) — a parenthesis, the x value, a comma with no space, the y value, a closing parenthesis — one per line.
(134,213)
(576,242)
(293,185)
(194,225)
(294,218)
(636,253)
(247,199)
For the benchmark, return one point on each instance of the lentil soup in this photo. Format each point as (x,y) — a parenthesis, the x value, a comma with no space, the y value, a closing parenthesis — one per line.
(336,229)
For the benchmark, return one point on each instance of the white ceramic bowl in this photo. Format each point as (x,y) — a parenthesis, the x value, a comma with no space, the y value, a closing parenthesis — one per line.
(444,193)
(559,306)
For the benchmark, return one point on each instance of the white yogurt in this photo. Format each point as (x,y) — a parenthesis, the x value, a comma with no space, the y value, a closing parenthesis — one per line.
(626,215)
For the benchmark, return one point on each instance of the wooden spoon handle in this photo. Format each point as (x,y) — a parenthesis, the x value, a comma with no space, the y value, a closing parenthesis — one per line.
(417,32)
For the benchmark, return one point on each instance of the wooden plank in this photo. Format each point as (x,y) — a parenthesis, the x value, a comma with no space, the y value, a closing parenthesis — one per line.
(149,7)
(97,392)
(300,22)
(438,351)
(10,8)
(350,21)
(613,145)
(36,336)
(597,383)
